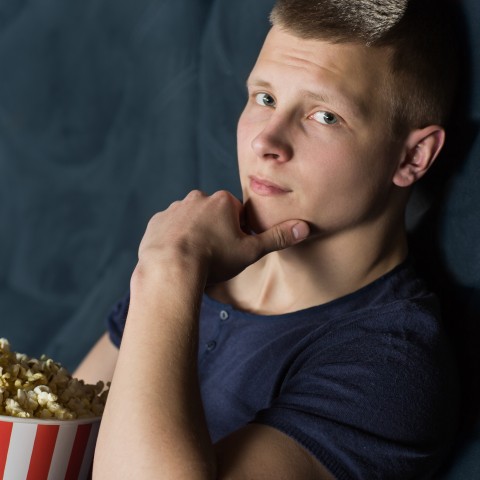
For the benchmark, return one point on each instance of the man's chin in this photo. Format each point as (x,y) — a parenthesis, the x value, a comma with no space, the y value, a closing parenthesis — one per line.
(257,225)
(258,220)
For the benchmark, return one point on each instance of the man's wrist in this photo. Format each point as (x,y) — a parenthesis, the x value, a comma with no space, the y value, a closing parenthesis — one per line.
(177,272)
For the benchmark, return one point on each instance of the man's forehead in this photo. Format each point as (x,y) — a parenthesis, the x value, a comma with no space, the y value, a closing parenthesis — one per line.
(323,69)
(354,61)
(284,48)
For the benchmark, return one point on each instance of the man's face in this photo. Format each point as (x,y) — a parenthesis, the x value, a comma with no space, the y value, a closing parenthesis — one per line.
(313,140)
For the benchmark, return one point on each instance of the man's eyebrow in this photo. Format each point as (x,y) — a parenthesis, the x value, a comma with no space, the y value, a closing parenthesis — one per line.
(320,97)
(258,82)
(339,100)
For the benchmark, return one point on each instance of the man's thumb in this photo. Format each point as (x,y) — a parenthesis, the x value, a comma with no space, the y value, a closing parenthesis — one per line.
(284,235)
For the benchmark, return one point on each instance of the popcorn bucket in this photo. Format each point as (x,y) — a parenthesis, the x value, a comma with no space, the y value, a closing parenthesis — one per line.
(37,449)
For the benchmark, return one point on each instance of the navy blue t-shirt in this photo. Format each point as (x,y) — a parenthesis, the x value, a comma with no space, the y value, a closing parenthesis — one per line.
(365,383)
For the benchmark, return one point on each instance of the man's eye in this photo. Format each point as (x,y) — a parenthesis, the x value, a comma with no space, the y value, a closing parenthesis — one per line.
(327,118)
(265,100)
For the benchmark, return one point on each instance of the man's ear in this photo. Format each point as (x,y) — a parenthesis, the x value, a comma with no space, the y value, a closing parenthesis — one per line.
(422,147)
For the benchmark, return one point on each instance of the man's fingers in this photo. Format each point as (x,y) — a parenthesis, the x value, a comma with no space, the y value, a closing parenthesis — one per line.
(283,235)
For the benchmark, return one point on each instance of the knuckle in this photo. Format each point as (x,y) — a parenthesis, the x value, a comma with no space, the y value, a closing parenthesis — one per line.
(222,195)
(280,238)
(154,219)
(194,194)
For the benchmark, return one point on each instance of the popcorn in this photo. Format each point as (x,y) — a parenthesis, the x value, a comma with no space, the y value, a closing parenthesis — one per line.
(42,388)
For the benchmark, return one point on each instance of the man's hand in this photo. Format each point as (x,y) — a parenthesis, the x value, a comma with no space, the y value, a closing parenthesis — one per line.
(208,230)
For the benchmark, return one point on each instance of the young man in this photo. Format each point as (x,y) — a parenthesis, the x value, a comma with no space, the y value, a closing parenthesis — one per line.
(287,337)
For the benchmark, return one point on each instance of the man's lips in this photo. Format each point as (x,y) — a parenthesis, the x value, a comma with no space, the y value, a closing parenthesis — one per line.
(265,187)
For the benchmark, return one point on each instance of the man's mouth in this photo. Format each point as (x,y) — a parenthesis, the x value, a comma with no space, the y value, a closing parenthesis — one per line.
(264,187)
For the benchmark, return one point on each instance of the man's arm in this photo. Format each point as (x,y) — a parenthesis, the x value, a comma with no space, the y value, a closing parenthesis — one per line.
(100,362)
(154,425)
(264,453)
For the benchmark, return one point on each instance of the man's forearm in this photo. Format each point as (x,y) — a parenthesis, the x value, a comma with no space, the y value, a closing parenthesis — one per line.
(154,424)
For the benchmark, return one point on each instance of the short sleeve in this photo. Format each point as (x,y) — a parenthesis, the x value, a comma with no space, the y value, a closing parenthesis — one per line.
(373,400)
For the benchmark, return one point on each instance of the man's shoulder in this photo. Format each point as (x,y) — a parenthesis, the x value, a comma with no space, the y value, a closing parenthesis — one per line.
(397,298)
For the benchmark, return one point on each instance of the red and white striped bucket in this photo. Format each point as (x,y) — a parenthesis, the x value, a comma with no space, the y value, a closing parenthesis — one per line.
(36,449)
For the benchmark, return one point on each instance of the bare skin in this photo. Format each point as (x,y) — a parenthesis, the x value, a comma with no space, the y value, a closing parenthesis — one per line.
(324,189)
(100,362)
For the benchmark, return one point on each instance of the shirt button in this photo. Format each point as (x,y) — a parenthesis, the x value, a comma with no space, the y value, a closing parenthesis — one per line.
(224,315)
(211,345)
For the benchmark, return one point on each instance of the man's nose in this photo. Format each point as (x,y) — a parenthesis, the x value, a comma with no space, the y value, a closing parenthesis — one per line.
(273,142)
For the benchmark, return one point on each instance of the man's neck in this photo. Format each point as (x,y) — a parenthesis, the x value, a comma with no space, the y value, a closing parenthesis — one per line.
(313,273)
